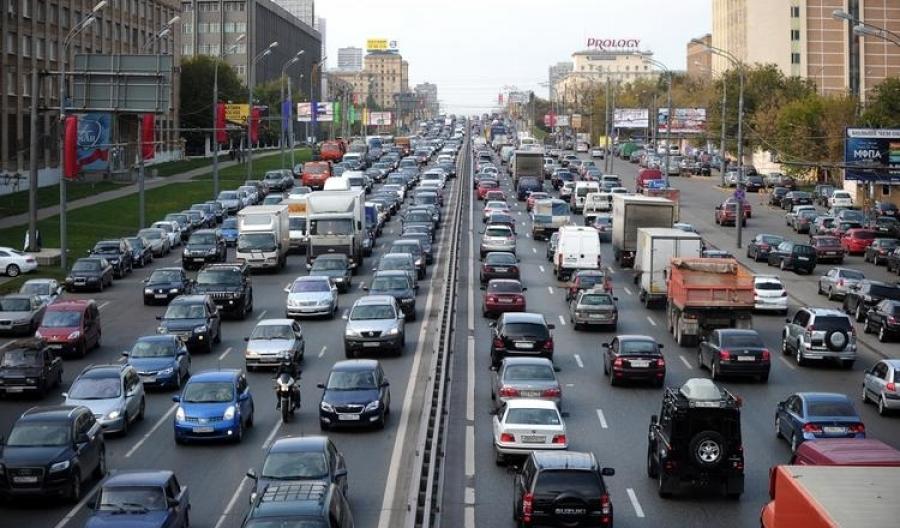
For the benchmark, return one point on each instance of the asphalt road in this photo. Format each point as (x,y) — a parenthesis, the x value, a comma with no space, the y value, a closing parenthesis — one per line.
(215,473)
(612,422)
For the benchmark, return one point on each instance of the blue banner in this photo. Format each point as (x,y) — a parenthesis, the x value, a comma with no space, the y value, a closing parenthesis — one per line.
(93,141)
(872,155)
(286,110)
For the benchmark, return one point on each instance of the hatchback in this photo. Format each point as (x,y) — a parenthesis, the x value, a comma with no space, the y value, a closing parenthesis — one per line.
(71,327)
(594,307)
(335,267)
(150,499)
(375,322)
(114,393)
(634,357)
(160,361)
(214,405)
(881,384)
(813,415)
(525,377)
(878,251)
(769,294)
(857,240)
(493,206)
(884,320)
(398,284)
(793,256)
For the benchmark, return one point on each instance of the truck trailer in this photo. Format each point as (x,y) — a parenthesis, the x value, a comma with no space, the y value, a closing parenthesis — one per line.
(632,212)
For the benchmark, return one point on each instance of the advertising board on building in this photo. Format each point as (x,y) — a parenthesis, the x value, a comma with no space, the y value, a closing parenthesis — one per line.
(380,44)
(576,121)
(618,44)
(93,141)
(379,118)
(631,118)
(872,154)
(237,113)
(686,120)
(324,112)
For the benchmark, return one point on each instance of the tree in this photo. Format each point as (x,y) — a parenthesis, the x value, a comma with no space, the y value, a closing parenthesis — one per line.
(883,106)
(195,109)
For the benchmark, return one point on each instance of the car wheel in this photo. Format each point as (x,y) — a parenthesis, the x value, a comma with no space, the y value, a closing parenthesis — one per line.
(819,289)
(801,361)
(831,295)
(74,493)
(714,370)
(778,428)
(795,443)
(125,423)
(141,410)
(499,459)
(100,470)
(859,315)
(12,270)
(865,395)
(882,334)
(882,409)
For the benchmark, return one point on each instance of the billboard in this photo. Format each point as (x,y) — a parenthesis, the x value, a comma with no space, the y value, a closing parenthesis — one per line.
(324,112)
(550,120)
(379,44)
(872,154)
(562,120)
(631,118)
(576,120)
(237,113)
(518,97)
(93,141)
(379,118)
(686,121)
(618,44)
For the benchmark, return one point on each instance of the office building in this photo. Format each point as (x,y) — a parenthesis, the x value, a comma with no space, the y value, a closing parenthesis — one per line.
(305,10)
(427,94)
(557,72)
(390,76)
(591,68)
(699,58)
(350,59)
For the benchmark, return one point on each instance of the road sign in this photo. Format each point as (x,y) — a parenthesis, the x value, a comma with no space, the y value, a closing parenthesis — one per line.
(740,194)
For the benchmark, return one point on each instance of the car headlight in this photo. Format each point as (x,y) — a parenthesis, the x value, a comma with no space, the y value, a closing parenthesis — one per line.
(166,371)
(349,332)
(211,251)
(229,413)
(161,330)
(393,331)
(324,302)
(59,466)
(373,406)
(38,335)
(148,290)
(201,329)
(173,290)
(325,406)
(74,335)
(112,415)
(179,414)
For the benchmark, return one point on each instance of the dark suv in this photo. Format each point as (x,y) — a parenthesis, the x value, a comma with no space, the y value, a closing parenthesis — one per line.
(229,286)
(525,334)
(118,253)
(29,366)
(866,294)
(52,451)
(195,319)
(205,245)
(299,504)
(696,439)
(564,488)
(793,256)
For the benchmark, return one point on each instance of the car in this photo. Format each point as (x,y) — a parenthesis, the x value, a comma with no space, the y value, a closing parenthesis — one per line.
(158,240)
(819,333)
(172,230)
(506,219)
(593,307)
(840,198)
(828,248)
(275,342)
(94,273)
(311,295)
(149,499)
(229,231)
(696,439)
(754,182)
(809,416)
(217,209)
(204,246)
(499,265)
(759,248)
(164,284)
(47,290)
(118,253)
(769,294)
(856,240)
(114,393)
(551,246)
(521,334)
(141,251)
(229,285)
(598,152)
(425,240)
(274,181)
(183,222)
(52,451)
(71,326)
(821,193)
(398,284)
(734,352)
(493,206)
(375,322)
(495,196)
(586,280)
(777,195)
(21,313)
(195,319)
(14,262)
(208,212)
(887,226)
(356,393)
(867,293)
(879,249)
(836,282)
(802,221)
(880,382)
(525,377)
(793,256)
(533,197)
(299,504)
(197,219)
(886,209)
(893,261)
(497,238)
(336,267)
(231,201)
(160,361)
(793,198)
(273,199)
(484,186)
(822,225)
(563,488)
(501,296)
(522,426)
(214,405)
(403,262)
(29,366)
(716,253)
(882,319)
(299,459)
(603,223)
(634,357)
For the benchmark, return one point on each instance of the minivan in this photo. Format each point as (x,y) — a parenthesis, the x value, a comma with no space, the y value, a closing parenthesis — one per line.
(71,326)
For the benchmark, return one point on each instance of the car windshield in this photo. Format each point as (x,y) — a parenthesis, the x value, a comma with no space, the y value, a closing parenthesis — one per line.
(826,323)
(61,319)
(885,292)
(38,434)
(532,417)
(272,332)
(421,217)
(185,311)
(208,392)
(219,277)
(331,227)
(21,358)
(273,176)
(497,232)
(553,482)
(165,276)
(589,281)
(151,233)
(132,498)
(309,286)
(202,239)
(528,373)
(15,305)
(86,265)
(352,380)
(256,242)
(864,235)
(828,241)
(106,248)
(596,300)
(829,408)
(769,285)
(152,349)
(638,346)
(389,283)
(290,466)
(228,195)
(96,388)
(229,223)
(328,264)
(742,341)
(368,312)
(534,330)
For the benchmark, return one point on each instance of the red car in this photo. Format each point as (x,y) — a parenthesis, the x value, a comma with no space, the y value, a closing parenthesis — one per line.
(726,214)
(644,175)
(748,209)
(503,295)
(855,241)
(586,280)
(315,173)
(495,195)
(485,186)
(533,197)
(828,248)
(71,327)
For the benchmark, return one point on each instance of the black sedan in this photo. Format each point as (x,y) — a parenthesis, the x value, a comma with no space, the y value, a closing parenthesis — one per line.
(796,198)
(91,273)
(399,285)
(777,195)
(759,248)
(165,284)
(734,352)
(356,394)
(634,357)
(141,251)
(878,251)
(335,267)
(884,320)
(117,252)
(499,265)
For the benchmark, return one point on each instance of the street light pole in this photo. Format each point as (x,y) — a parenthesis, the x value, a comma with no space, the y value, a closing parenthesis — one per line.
(215,105)
(284,67)
(250,85)
(291,128)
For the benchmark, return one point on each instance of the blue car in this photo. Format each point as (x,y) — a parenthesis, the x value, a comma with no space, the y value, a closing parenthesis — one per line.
(147,499)
(214,405)
(160,360)
(229,230)
(814,415)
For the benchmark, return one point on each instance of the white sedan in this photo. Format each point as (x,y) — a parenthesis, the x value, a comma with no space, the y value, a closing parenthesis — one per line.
(524,425)
(494,206)
(769,294)
(14,262)
(597,153)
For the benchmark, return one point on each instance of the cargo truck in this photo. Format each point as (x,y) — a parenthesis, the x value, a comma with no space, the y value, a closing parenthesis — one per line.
(668,193)
(336,224)
(297,221)
(547,216)
(830,497)
(632,212)
(525,164)
(656,247)
(263,236)
(704,294)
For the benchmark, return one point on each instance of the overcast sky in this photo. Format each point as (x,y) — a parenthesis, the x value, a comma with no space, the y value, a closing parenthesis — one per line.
(472,49)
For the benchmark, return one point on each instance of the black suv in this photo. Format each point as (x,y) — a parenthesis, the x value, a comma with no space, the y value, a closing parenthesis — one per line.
(52,451)
(29,366)
(866,294)
(696,439)
(300,504)
(564,488)
(195,319)
(793,256)
(205,245)
(229,286)
(118,253)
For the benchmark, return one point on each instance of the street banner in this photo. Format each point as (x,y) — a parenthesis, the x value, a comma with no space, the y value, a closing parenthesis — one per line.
(872,155)
(686,120)
(379,118)
(324,112)
(631,118)
(576,121)
(550,120)
(93,141)
(221,132)
(237,113)
(286,115)
(148,125)
(70,148)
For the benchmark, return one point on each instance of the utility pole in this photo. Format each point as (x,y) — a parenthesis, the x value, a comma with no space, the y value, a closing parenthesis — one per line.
(606,156)
(33,160)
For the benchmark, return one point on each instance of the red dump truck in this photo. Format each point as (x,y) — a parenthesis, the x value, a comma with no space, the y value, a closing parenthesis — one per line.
(707,293)
(832,497)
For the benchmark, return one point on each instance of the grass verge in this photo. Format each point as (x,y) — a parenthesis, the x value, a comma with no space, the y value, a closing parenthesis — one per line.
(17,203)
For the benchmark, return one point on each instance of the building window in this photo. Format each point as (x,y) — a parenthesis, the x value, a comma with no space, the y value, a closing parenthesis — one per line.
(10,43)
(26,46)
(26,8)
(41,10)
(229,27)
(65,18)
(11,9)
(241,69)
(240,27)
(11,82)
(187,49)
(41,48)
(795,34)
(795,11)
(187,7)
(795,58)
(214,27)
(234,6)
(52,48)
(187,28)
(214,49)
(208,6)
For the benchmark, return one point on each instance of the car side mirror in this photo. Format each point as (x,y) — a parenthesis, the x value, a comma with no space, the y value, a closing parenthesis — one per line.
(244,397)
(607,472)
(551,326)
(320,385)
(787,320)
(145,281)
(159,318)
(604,345)
(492,324)
(176,398)
(125,353)
(82,438)
(287,290)
(246,339)
(340,473)
(252,474)
(654,419)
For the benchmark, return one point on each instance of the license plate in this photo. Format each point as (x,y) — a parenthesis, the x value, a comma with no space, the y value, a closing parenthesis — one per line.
(148,379)
(55,347)
(746,358)
(348,417)
(641,363)
(524,344)
(533,439)
(159,296)
(501,270)
(803,258)
(25,480)
(203,429)
(834,430)
(531,394)
(831,253)
(14,389)
(371,345)
(507,301)
(595,316)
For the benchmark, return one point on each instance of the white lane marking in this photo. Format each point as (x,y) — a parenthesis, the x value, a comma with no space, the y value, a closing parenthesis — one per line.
(157,425)
(540,267)
(634,503)
(345,314)
(4,345)
(272,434)
(520,212)
(470,451)
(470,378)
(685,361)
(627,290)
(550,289)
(469,521)
(103,305)
(261,315)
(602,418)
(88,495)
(231,502)
(533,250)
(527,235)
(223,354)
(787,363)
(470,495)
(651,321)
(578,360)
(562,320)
(322,352)
(360,285)
(610,270)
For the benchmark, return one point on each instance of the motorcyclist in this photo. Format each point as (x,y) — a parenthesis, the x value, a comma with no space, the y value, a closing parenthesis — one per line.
(288,370)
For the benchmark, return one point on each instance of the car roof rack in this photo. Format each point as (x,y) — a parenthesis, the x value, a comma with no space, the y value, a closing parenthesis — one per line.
(701,393)
(242,266)
(304,491)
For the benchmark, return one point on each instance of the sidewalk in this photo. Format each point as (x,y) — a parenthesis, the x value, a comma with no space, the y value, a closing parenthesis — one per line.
(149,183)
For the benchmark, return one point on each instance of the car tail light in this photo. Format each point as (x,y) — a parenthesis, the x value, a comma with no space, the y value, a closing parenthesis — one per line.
(724,355)
(784,293)
(857,428)
(548,344)
(498,343)
(488,268)
(764,246)
(507,438)
(891,319)
(527,510)
(559,439)
(891,387)
(605,506)
(508,392)
(812,428)
(492,298)
(660,363)
(551,393)
(618,363)
(765,355)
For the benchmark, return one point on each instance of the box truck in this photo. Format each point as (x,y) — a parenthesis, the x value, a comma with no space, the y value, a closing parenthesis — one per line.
(656,247)
(263,236)
(336,224)
(632,212)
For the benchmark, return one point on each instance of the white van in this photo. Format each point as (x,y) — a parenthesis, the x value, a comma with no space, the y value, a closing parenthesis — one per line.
(578,248)
(582,189)
(336,183)
(596,203)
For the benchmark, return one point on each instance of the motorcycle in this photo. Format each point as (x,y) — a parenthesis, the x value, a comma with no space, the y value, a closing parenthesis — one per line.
(287,395)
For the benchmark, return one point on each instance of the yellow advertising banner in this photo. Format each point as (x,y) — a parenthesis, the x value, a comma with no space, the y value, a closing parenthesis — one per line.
(576,121)
(237,113)
(376,44)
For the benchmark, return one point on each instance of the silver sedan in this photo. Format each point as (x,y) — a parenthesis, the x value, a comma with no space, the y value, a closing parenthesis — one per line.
(525,377)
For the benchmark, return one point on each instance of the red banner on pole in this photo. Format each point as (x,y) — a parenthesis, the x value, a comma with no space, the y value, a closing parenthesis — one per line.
(221,133)
(254,125)
(70,148)
(148,148)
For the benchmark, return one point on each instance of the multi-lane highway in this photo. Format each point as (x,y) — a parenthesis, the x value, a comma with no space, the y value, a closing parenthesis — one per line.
(612,422)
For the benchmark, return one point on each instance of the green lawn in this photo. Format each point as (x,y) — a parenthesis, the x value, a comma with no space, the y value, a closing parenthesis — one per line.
(173,168)
(261,164)
(17,202)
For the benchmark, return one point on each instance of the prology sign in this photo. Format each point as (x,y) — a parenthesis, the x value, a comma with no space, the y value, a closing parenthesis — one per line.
(613,44)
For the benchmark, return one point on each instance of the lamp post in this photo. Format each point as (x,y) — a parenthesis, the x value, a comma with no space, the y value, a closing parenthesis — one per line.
(722,141)
(670,117)
(291,128)
(163,31)
(739,186)
(76,29)
(866,29)
(252,76)
(215,105)
(293,60)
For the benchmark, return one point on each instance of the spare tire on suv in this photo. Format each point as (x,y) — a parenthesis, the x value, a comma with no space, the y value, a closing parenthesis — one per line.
(707,449)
